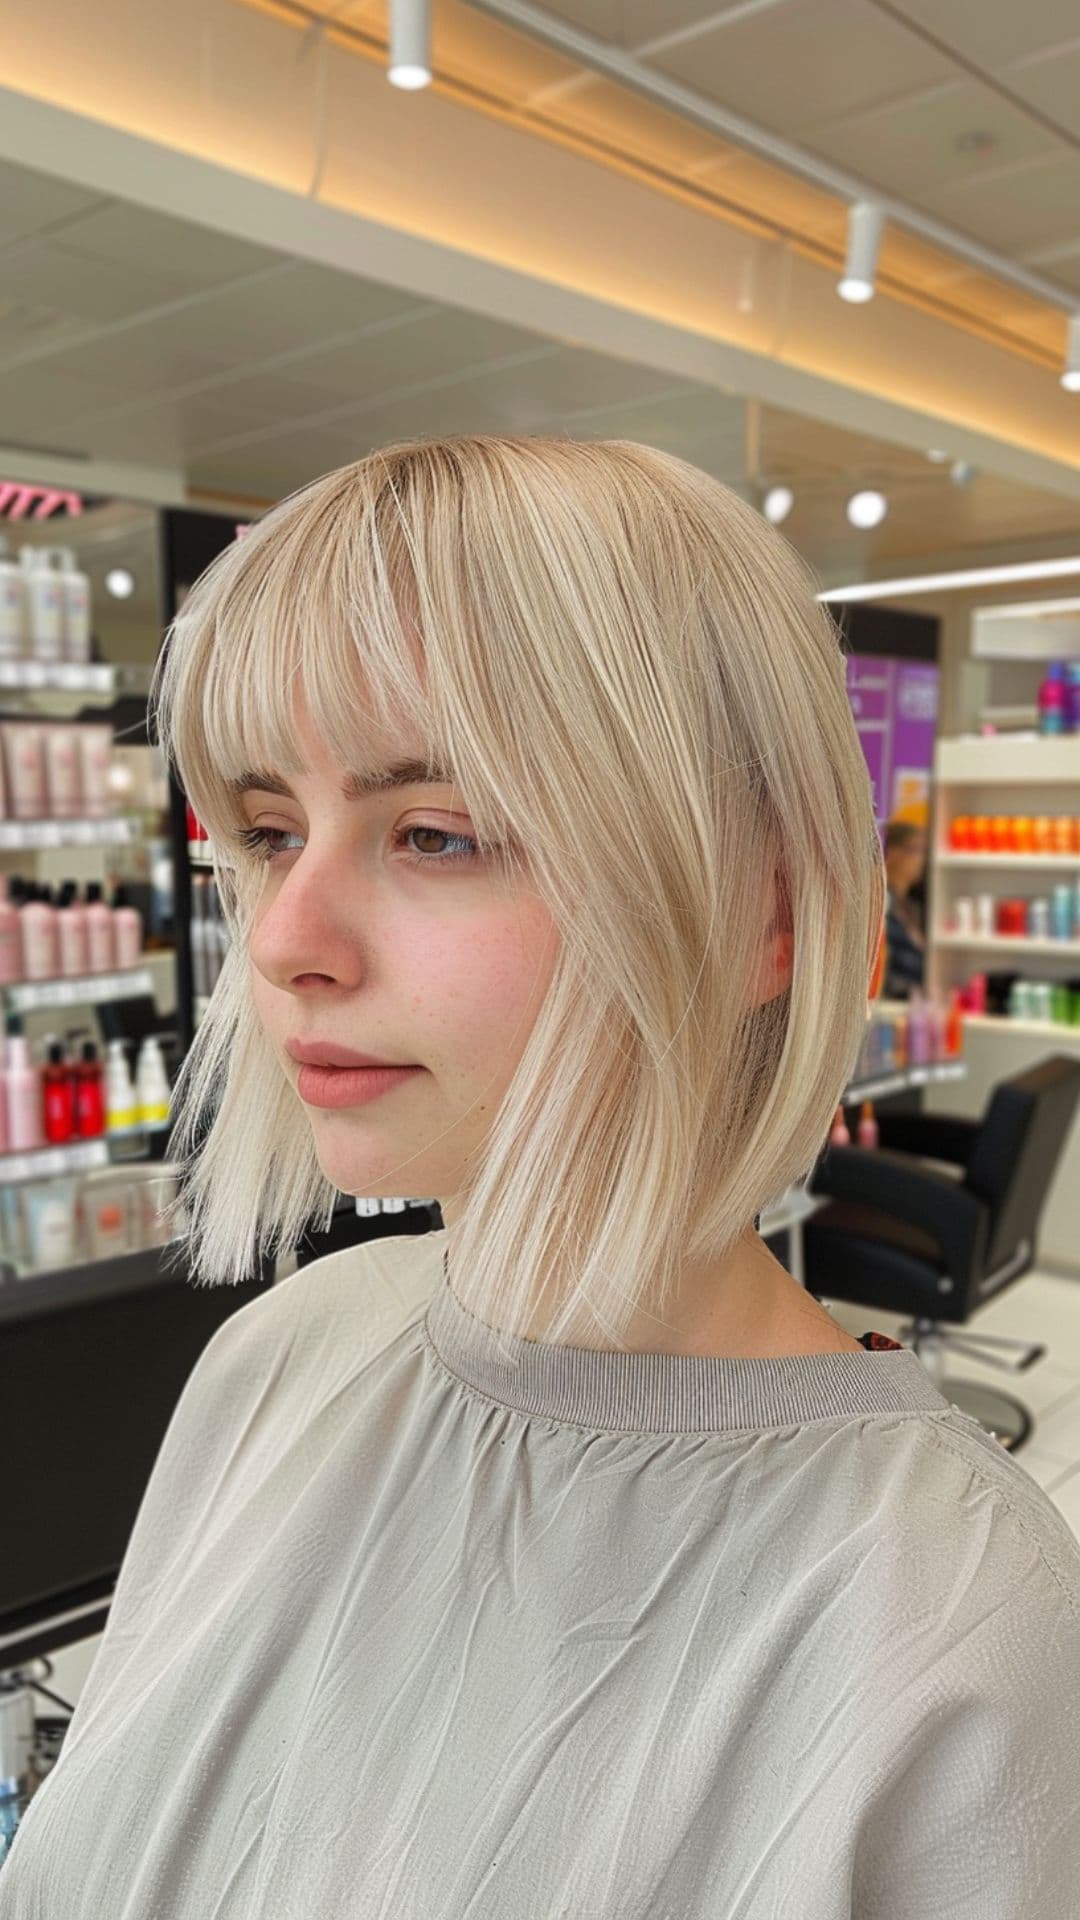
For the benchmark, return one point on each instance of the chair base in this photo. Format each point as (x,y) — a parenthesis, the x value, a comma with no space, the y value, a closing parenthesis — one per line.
(1002,1417)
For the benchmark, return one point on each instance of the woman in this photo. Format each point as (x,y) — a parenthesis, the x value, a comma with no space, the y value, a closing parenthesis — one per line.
(905,943)
(570,1560)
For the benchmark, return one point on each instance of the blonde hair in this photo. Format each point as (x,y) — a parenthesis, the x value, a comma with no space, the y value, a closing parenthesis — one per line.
(644,707)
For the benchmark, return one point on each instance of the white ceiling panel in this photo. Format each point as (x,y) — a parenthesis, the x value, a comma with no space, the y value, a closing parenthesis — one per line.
(1051,83)
(991,33)
(795,65)
(910,148)
(48,275)
(1032,207)
(302,306)
(437,344)
(32,202)
(194,256)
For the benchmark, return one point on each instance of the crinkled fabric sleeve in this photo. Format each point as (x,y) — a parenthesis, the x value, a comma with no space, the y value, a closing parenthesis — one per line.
(979,1815)
(179,1499)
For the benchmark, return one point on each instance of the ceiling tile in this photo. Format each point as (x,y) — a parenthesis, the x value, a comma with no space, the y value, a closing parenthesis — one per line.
(71,283)
(193,255)
(990,35)
(136,361)
(1032,207)
(32,201)
(300,307)
(1052,84)
(912,145)
(443,344)
(794,66)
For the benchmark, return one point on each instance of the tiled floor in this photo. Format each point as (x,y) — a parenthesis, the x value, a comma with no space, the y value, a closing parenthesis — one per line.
(1041,1307)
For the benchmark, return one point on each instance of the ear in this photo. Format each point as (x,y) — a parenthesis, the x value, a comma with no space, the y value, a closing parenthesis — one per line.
(778,946)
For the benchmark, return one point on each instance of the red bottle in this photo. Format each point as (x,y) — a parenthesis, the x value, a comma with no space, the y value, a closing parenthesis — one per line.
(58,1096)
(89,1094)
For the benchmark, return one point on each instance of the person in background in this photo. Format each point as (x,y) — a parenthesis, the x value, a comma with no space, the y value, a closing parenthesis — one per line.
(905,944)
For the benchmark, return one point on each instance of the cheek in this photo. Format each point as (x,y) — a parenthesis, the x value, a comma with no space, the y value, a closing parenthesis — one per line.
(478,991)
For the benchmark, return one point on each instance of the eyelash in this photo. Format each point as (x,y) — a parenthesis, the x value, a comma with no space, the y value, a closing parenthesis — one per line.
(257,841)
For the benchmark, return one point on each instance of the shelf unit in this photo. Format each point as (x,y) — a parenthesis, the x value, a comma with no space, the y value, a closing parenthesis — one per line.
(92,685)
(1006,774)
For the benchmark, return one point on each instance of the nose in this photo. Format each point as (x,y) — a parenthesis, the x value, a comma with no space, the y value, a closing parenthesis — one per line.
(311,928)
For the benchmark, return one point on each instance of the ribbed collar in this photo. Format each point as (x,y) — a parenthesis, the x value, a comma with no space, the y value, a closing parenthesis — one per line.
(608,1390)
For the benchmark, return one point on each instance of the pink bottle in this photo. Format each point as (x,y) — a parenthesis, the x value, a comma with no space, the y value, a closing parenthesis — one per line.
(41,955)
(73,939)
(868,1126)
(127,929)
(22,1091)
(839,1135)
(99,930)
(10,937)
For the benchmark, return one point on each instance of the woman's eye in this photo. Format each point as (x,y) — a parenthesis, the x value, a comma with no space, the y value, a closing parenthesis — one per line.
(262,841)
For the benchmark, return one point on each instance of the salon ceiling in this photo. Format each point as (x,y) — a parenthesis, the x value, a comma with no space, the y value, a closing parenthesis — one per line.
(243,258)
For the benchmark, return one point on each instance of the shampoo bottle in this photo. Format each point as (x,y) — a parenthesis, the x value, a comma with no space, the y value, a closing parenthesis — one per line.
(45,602)
(868,1126)
(71,932)
(99,929)
(13,614)
(89,1094)
(10,937)
(76,592)
(22,1090)
(152,1085)
(127,929)
(839,1135)
(121,1111)
(58,1096)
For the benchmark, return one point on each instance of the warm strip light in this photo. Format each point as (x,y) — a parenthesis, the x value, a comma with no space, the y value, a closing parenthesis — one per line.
(971,577)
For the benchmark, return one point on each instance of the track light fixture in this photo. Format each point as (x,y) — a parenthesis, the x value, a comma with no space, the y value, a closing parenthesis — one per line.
(410,44)
(1070,379)
(866,223)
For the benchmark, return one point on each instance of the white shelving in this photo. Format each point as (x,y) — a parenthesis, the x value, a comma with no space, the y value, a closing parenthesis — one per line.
(1006,774)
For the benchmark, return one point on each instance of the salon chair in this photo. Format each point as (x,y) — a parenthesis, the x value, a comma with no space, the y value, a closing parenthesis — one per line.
(937,1242)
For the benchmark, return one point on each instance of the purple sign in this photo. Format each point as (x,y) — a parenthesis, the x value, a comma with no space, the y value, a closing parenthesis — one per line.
(895,704)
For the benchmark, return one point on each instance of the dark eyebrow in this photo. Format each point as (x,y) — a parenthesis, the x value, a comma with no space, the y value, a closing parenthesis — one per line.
(355,786)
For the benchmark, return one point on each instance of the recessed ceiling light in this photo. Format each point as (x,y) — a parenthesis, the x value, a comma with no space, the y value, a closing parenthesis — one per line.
(777,504)
(120,583)
(867,509)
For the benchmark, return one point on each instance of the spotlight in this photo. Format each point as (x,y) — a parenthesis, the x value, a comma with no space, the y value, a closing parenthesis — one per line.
(120,583)
(1070,379)
(865,224)
(867,509)
(778,504)
(410,44)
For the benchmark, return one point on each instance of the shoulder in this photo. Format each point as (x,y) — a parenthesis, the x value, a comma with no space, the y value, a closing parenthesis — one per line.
(364,1296)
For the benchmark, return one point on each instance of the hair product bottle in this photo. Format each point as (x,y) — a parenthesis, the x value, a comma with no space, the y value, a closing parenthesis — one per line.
(10,937)
(89,1094)
(71,932)
(127,929)
(76,591)
(121,1110)
(22,1090)
(45,602)
(839,1135)
(99,929)
(58,1095)
(41,953)
(868,1126)
(13,616)
(151,1084)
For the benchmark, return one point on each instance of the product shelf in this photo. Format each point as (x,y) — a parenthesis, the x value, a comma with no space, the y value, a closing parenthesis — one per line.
(111,830)
(22,996)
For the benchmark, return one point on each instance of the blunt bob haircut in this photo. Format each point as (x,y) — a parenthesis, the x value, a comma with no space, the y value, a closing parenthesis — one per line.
(643,706)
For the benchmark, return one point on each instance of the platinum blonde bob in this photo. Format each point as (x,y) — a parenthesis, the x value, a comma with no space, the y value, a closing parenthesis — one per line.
(645,710)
